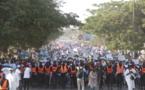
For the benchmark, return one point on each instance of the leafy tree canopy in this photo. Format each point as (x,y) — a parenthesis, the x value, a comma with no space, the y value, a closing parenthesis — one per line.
(32,23)
(114,22)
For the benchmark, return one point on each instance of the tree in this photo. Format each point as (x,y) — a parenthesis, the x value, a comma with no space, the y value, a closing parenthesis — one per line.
(31,23)
(113,21)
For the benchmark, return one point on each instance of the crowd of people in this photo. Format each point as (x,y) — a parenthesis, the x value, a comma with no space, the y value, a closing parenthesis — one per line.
(61,69)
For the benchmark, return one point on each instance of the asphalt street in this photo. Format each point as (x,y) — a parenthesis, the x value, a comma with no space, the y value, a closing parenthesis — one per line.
(86,88)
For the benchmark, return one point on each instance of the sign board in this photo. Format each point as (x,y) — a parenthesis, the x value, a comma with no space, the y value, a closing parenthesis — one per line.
(121,58)
(136,61)
(109,56)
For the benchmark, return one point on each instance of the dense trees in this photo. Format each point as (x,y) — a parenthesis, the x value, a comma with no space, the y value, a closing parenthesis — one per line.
(31,23)
(114,22)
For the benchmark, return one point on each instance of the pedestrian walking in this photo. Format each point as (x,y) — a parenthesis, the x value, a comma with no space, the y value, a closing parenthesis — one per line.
(3,82)
(11,77)
(27,73)
(18,76)
(93,79)
(64,70)
(80,77)
(130,77)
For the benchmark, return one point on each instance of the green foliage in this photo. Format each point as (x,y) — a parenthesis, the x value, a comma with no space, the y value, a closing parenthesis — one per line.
(32,23)
(114,22)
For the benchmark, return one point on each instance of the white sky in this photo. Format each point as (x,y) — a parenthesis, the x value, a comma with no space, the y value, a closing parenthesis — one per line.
(79,7)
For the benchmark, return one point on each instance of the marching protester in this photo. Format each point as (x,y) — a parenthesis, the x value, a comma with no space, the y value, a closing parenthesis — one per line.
(130,77)
(27,74)
(33,74)
(120,70)
(3,82)
(40,74)
(109,74)
(93,79)
(65,67)
(11,77)
(54,69)
(18,76)
(100,72)
(64,70)
(47,73)
(80,77)
(73,71)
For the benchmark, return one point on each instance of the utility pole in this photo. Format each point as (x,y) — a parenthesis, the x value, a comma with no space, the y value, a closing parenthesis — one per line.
(133,32)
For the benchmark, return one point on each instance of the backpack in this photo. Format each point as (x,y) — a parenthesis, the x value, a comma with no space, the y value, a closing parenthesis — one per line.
(79,73)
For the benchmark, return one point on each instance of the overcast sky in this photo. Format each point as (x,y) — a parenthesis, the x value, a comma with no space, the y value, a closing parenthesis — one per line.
(79,7)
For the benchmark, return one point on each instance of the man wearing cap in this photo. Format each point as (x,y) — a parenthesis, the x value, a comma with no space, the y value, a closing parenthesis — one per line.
(27,73)
(109,74)
(72,71)
(41,75)
(119,73)
(18,76)
(100,71)
(64,70)
(80,81)
(54,69)
(11,77)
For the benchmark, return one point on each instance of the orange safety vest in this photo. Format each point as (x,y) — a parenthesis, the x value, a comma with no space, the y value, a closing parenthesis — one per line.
(5,85)
(134,68)
(54,69)
(73,71)
(90,67)
(63,69)
(47,70)
(109,70)
(40,70)
(143,69)
(33,69)
(119,69)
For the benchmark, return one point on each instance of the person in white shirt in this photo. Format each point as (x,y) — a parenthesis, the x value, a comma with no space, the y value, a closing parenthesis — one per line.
(27,73)
(80,81)
(128,74)
(11,77)
(18,76)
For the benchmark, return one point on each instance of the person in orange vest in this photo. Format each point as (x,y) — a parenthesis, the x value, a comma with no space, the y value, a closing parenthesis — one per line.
(119,73)
(72,72)
(59,74)
(91,66)
(64,71)
(47,73)
(143,76)
(109,73)
(54,70)
(33,74)
(3,81)
(40,70)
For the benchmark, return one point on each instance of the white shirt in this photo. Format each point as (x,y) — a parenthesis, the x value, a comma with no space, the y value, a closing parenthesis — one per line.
(83,70)
(27,72)
(18,74)
(12,81)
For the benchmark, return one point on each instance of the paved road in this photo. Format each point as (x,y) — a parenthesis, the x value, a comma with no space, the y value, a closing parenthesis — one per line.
(59,88)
